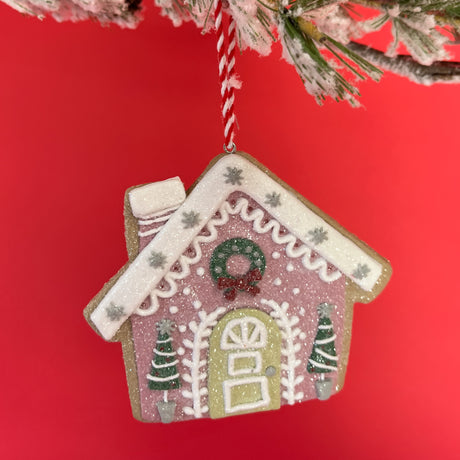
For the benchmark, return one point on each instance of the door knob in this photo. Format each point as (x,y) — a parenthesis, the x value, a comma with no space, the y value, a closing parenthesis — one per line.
(270,371)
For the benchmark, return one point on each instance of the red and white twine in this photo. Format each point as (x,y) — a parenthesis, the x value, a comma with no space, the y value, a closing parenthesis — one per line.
(226,58)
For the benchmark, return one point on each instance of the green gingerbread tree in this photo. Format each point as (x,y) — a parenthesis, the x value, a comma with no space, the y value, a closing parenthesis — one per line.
(323,358)
(164,374)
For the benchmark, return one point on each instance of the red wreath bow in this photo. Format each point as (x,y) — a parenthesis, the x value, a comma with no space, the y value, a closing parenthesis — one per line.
(243,283)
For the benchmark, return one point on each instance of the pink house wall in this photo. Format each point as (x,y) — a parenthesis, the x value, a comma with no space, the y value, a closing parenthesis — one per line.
(285,280)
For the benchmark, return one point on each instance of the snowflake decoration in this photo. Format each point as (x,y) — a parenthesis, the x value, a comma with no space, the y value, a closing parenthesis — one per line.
(165,326)
(157,259)
(273,199)
(361,272)
(190,219)
(233,176)
(318,235)
(325,309)
(115,312)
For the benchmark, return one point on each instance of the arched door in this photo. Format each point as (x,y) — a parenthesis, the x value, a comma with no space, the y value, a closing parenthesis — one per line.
(244,364)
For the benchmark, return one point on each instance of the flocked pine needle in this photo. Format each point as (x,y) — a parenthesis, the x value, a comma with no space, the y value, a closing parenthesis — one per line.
(319,37)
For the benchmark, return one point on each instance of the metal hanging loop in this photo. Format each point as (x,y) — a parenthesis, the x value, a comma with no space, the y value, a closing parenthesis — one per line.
(232,149)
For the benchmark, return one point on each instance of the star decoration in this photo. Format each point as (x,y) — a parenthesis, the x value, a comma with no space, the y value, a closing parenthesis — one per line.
(115,312)
(157,259)
(190,219)
(165,326)
(361,271)
(233,176)
(273,199)
(325,309)
(318,235)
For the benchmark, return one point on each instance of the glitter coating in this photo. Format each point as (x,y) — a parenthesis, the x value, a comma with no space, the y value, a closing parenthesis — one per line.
(255,344)
(197,297)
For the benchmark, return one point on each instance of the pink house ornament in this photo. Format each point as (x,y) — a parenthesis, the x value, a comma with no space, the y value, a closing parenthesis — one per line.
(237,296)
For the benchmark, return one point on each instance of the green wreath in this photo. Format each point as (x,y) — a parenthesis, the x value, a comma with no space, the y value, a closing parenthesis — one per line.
(231,284)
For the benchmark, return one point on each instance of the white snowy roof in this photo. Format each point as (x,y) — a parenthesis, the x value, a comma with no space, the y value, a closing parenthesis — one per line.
(229,174)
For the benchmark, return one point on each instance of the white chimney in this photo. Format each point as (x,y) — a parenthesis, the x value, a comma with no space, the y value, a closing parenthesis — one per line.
(153,204)
(153,199)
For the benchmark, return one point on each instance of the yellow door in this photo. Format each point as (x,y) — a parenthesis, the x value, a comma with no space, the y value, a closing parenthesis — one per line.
(244,364)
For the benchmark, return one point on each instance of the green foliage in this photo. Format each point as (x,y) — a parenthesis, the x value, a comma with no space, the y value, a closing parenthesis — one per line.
(316,35)
(232,247)
(448,8)
(164,367)
(318,363)
(304,6)
(320,75)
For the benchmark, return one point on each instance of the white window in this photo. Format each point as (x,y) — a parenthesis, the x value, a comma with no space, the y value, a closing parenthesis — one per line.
(241,333)
(250,393)
(244,362)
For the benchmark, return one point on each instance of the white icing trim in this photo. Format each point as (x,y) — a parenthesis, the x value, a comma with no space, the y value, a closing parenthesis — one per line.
(289,333)
(152,231)
(324,341)
(167,211)
(232,357)
(229,384)
(196,378)
(256,216)
(155,221)
(165,353)
(325,326)
(321,365)
(162,379)
(169,339)
(153,308)
(257,339)
(139,280)
(326,355)
(160,366)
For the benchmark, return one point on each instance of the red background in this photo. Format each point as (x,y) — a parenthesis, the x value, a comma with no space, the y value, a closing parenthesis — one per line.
(86,112)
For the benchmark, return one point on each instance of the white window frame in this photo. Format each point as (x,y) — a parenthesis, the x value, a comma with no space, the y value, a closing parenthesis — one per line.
(257,339)
(233,357)
(229,384)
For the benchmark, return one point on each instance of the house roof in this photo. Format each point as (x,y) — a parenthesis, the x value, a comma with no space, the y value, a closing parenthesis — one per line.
(230,173)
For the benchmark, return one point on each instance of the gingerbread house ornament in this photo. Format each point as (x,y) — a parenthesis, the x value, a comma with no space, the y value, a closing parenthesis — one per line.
(237,297)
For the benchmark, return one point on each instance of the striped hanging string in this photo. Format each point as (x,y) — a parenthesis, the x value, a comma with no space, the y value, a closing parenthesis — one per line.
(226,58)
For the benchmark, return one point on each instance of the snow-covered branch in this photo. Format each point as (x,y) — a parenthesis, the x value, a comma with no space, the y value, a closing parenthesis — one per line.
(314,34)
(125,13)
(406,66)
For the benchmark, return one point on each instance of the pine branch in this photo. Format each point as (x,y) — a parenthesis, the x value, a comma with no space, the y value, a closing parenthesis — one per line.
(315,34)
(321,77)
(445,13)
(304,6)
(450,8)
(406,66)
